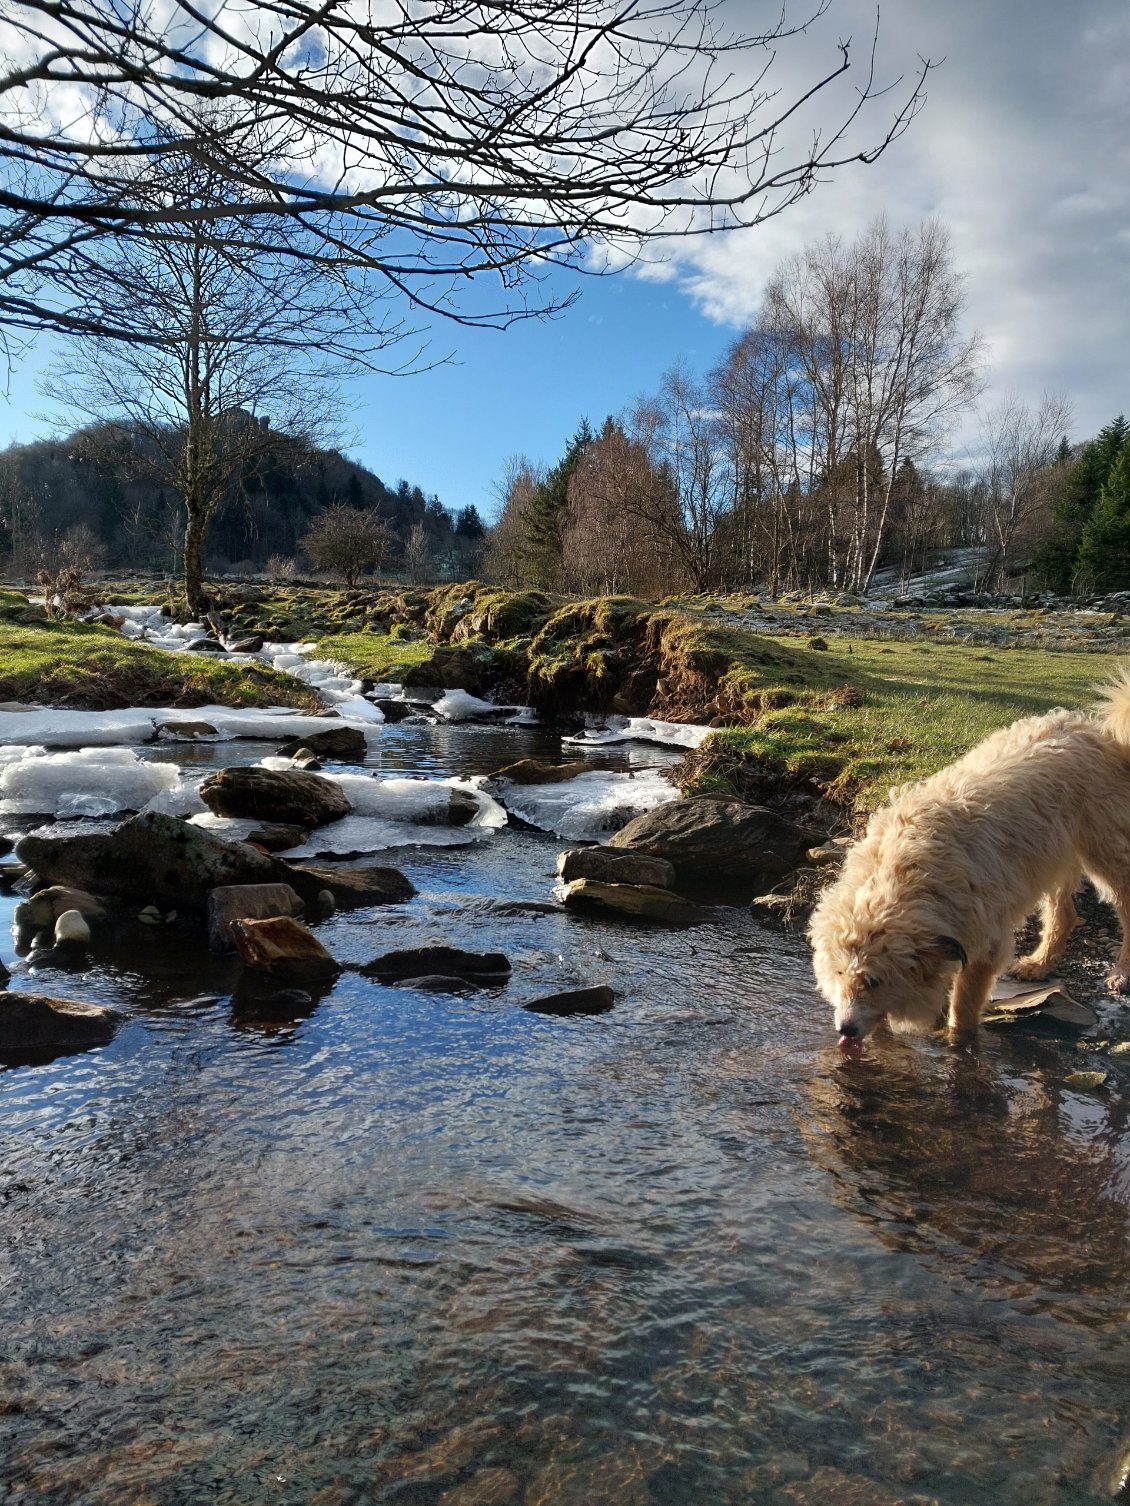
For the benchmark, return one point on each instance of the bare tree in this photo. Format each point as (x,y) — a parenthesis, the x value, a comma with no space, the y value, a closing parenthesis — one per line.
(428,143)
(418,561)
(234,354)
(614,539)
(680,431)
(505,556)
(1022,446)
(347,542)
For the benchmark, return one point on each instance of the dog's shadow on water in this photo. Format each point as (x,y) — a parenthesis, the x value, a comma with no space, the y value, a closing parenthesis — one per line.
(1006,1172)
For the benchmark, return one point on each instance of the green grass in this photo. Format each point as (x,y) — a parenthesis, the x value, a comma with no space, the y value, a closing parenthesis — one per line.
(94,668)
(875,715)
(376,656)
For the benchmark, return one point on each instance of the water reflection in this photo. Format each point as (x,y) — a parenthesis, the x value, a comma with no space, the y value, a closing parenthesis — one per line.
(1012,1176)
(406,1247)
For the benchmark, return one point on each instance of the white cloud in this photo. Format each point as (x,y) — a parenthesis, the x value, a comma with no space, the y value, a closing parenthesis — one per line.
(1023,151)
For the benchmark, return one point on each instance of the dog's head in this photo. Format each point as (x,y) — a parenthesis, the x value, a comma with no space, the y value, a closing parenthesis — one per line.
(899,970)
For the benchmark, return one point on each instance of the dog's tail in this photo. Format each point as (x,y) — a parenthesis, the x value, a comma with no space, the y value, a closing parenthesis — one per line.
(1114,706)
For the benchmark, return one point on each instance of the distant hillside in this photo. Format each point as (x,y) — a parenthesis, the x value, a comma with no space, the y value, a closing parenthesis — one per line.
(50,489)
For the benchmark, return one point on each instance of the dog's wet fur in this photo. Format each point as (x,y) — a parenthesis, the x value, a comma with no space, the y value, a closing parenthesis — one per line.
(921,919)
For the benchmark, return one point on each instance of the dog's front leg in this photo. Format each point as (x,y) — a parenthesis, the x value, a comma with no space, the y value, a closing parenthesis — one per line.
(969,995)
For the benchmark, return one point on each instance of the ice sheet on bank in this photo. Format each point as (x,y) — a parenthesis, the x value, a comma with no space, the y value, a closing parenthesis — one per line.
(90,782)
(590,806)
(51,728)
(418,800)
(385,813)
(644,729)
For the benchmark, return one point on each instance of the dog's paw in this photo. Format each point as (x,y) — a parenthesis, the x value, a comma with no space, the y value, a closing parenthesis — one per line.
(1029,968)
(1118,982)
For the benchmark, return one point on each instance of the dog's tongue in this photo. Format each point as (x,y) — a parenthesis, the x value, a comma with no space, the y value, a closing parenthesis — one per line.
(851,1045)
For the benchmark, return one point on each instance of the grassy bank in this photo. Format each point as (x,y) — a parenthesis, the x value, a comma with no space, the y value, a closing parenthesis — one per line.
(843,717)
(889,714)
(85,667)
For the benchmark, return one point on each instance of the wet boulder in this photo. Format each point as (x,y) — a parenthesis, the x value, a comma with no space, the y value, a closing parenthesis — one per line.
(285,797)
(613,867)
(632,902)
(483,969)
(719,845)
(282,948)
(276,838)
(572,1001)
(351,888)
(232,902)
(152,857)
(339,744)
(39,1023)
(44,908)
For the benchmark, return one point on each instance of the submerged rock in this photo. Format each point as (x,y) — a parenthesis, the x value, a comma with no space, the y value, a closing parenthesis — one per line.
(38,1022)
(534,771)
(634,901)
(283,948)
(232,902)
(596,1000)
(271,795)
(613,867)
(484,969)
(715,844)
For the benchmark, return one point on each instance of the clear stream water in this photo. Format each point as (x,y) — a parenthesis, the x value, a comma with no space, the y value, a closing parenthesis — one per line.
(426,1249)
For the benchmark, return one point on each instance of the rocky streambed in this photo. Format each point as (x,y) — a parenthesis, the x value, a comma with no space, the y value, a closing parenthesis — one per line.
(395,1178)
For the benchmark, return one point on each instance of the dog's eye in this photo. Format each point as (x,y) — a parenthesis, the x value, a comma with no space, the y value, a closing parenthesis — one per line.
(868,982)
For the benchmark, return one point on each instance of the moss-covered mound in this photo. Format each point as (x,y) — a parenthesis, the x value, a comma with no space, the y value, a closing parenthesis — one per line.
(93,668)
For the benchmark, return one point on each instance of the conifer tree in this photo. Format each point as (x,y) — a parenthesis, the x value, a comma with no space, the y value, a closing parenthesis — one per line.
(546,513)
(1104,552)
(1057,560)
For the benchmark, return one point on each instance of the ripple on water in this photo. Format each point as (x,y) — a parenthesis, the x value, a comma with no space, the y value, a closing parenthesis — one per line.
(422,1248)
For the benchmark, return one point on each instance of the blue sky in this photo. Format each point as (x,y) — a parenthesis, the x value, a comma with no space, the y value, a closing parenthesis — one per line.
(1022,150)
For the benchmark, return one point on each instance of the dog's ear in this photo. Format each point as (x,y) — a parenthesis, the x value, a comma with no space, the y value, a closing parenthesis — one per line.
(951,948)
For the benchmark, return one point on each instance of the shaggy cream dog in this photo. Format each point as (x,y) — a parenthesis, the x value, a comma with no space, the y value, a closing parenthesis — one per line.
(925,907)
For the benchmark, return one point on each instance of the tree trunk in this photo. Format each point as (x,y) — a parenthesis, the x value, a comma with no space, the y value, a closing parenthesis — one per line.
(195,535)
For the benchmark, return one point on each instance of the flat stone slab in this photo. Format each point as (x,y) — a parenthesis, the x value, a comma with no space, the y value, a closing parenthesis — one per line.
(1047,1007)
(351,887)
(232,902)
(612,867)
(632,902)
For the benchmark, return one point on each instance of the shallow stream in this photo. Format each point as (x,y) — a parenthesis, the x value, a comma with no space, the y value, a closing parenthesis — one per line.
(438,1251)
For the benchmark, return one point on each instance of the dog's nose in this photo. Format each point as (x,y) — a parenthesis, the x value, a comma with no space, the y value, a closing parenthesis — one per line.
(850,1029)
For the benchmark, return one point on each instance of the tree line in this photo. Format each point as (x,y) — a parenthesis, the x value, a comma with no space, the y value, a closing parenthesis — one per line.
(814,453)
(97,500)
